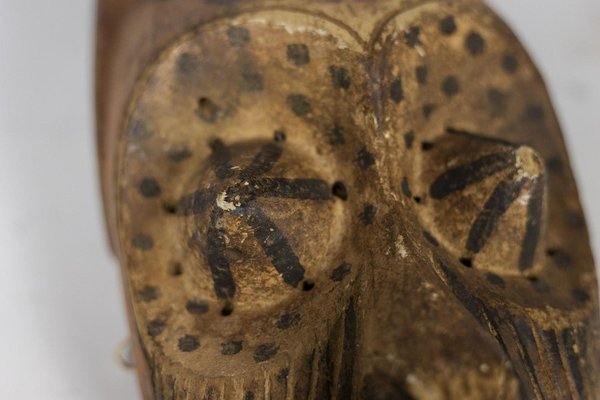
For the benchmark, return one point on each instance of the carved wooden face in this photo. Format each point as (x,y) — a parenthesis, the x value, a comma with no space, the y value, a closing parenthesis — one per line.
(308,209)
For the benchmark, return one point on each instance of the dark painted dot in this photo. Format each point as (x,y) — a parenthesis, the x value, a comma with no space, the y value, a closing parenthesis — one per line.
(339,273)
(466,261)
(495,279)
(396,91)
(231,348)
(406,187)
(148,294)
(227,310)
(179,154)
(339,190)
(538,285)
(238,36)
(426,146)
(339,77)
(143,242)
(335,134)
(298,54)
(197,307)
(368,214)
(498,100)
(149,188)
(188,343)
(409,138)
(429,237)
(308,285)
(365,159)
(448,25)
(176,269)
(299,104)
(249,395)
(140,130)
(534,112)
(450,86)
(252,82)
(187,63)
(422,74)
(580,295)
(474,43)
(555,165)
(560,258)
(156,327)
(265,352)
(427,110)
(207,110)
(510,64)
(288,320)
(411,36)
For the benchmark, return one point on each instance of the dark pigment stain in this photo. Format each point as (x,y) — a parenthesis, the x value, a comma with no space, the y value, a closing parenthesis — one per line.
(299,104)
(143,242)
(238,36)
(339,273)
(365,159)
(339,77)
(474,43)
(298,53)
(149,188)
(367,215)
(448,26)
(231,348)
(265,352)
(188,343)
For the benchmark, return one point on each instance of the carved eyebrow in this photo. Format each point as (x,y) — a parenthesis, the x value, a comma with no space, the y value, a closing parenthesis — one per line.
(460,177)
(300,189)
(223,280)
(533,224)
(497,204)
(275,246)
(263,162)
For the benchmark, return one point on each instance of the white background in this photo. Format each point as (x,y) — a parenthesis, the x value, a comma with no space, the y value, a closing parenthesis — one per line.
(61,316)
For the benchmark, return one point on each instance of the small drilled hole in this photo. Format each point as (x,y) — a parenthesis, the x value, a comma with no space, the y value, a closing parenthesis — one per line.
(427,146)
(176,269)
(417,199)
(170,208)
(227,310)
(467,262)
(279,136)
(551,252)
(308,285)
(533,279)
(339,190)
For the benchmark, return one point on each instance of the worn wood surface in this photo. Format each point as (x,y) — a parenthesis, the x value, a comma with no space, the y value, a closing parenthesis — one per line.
(359,199)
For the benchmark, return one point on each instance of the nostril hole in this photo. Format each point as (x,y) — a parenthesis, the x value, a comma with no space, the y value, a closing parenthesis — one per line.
(227,310)
(308,285)
(170,208)
(176,269)
(467,262)
(551,252)
(339,190)
(417,199)
(279,136)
